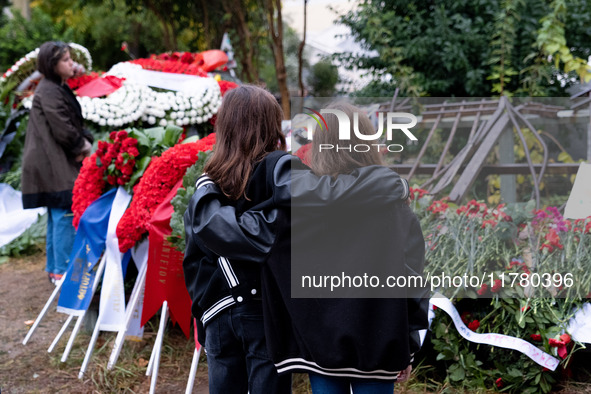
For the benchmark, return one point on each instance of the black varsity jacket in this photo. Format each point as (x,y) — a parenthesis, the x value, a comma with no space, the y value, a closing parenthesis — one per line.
(349,337)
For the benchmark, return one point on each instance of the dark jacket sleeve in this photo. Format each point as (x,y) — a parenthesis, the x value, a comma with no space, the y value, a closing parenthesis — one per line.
(418,298)
(219,229)
(251,235)
(296,185)
(59,116)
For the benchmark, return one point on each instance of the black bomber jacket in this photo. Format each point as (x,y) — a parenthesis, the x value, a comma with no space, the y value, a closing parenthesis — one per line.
(237,252)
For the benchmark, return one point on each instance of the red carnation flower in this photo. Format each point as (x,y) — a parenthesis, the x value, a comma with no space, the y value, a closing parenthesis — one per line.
(497,286)
(536,337)
(565,338)
(160,176)
(474,324)
(499,382)
(483,289)
(133,151)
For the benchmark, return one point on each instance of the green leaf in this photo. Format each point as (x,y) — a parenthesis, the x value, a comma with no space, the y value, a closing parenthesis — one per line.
(552,48)
(457,373)
(171,135)
(181,201)
(141,166)
(142,139)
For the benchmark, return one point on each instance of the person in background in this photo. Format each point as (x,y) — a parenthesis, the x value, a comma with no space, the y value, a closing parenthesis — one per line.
(56,142)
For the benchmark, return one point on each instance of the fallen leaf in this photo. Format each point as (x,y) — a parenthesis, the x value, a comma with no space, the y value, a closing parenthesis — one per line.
(29,322)
(142,362)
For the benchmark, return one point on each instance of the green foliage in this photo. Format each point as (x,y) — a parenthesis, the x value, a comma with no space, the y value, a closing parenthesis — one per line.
(376,88)
(469,47)
(101,26)
(12,156)
(502,45)
(181,201)
(323,79)
(29,242)
(551,40)
(506,242)
(19,36)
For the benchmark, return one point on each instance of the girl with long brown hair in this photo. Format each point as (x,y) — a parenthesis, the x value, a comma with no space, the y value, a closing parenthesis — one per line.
(226,293)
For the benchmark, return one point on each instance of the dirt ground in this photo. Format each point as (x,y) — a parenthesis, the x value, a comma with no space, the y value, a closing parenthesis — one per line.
(24,289)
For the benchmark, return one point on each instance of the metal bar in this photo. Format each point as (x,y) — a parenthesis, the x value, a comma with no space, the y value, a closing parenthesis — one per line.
(581,103)
(467,151)
(462,111)
(156,364)
(131,305)
(60,333)
(539,138)
(394,99)
(475,127)
(527,156)
(452,134)
(99,274)
(423,148)
(73,335)
(193,371)
(44,310)
(90,349)
(501,169)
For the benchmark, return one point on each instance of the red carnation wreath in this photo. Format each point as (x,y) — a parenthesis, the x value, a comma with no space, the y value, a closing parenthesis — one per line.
(160,176)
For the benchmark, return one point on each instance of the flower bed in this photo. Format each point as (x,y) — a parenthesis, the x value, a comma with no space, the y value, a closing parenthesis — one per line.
(535,269)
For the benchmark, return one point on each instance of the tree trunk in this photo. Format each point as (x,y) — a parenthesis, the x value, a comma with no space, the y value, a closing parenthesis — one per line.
(300,102)
(206,33)
(165,26)
(277,46)
(245,40)
(301,52)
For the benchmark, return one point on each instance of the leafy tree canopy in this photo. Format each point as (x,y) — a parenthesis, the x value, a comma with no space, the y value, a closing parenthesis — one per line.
(472,47)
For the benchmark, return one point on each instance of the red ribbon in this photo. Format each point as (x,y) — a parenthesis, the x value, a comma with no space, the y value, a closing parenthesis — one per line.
(165,280)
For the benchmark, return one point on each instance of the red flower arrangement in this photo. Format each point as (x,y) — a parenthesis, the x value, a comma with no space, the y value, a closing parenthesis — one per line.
(438,206)
(416,193)
(552,240)
(226,85)
(88,187)
(76,82)
(117,157)
(483,289)
(112,163)
(473,208)
(170,66)
(160,176)
(497,286)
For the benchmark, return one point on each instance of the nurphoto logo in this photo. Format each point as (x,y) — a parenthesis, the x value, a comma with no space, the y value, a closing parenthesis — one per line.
(392,123)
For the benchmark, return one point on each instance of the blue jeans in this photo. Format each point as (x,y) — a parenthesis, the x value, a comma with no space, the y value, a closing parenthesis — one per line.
(237,358)
(59,240)
(331,385)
